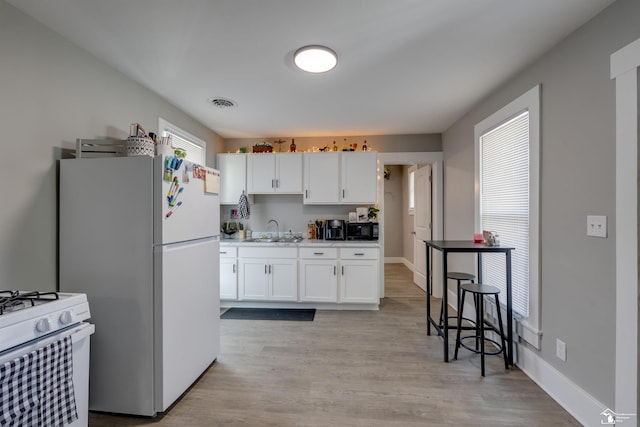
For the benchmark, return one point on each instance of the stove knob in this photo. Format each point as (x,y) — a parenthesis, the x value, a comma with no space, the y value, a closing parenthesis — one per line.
(65,317)
(43,325)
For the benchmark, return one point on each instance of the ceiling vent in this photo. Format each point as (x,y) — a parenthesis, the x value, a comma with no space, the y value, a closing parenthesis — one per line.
(222,102)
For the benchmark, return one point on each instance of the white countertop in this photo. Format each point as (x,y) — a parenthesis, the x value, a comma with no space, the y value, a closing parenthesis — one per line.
(305,243)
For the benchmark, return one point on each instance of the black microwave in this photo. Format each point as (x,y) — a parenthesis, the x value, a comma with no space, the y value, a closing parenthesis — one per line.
(362,231)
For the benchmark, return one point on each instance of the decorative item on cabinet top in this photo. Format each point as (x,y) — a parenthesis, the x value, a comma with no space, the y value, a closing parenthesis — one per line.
(263,148)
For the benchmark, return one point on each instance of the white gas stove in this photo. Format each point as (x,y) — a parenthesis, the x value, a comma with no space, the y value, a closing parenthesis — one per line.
(36,329)
(26,316)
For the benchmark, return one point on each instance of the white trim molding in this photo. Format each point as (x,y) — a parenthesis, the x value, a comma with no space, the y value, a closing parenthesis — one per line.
(580,404)
(624,69)
(529,101)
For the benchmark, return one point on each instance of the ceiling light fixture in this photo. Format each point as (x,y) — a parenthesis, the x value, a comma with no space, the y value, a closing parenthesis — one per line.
(315,59)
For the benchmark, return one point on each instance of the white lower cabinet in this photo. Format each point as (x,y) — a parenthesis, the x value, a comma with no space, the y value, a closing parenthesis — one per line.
(267,274)
(345,275)
(318,274)
(359,275)
(228,274)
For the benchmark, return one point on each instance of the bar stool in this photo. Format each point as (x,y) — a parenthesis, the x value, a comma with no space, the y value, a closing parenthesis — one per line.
(479,291)
(459,277)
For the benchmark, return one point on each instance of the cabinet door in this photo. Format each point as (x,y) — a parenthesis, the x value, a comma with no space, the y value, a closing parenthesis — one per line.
(261,176)
(233,177)
(253,279)
(228,279)
(283,284)
(318,280)
(359,282)
(289,173)
(359,177)
(321,178)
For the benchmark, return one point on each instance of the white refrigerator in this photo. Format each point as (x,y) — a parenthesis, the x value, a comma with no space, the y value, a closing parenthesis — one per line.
(151,278)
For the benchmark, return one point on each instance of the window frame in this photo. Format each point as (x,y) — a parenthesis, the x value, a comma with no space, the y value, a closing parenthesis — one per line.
(527,328)
(166,126)
(411,200)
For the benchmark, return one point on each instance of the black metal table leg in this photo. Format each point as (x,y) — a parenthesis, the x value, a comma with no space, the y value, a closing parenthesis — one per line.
(509,310)
(445,303)
(428,296)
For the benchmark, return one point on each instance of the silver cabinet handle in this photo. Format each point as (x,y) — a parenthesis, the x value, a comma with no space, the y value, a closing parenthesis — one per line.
(306,194)
(343,193)
(234,269)
(272,182)
(265,269)
(343,270)
(334,270)
(277,183)
(318,253)
(269,268)
(223,252)
(359,254)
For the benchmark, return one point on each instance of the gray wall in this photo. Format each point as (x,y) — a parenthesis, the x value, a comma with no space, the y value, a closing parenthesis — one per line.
(393,213)
(52,92)
(577,179)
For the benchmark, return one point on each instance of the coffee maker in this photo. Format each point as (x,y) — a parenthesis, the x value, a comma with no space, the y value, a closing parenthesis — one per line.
(335,230)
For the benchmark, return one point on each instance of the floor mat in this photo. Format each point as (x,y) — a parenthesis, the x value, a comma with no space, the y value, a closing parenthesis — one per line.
(295,314)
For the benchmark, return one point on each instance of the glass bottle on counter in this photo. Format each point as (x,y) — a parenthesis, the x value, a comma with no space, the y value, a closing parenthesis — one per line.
(292,147)
(364,146)
(335,147)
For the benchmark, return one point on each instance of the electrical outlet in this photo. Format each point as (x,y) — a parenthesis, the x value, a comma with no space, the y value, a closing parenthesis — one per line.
(597,226)
(561,350)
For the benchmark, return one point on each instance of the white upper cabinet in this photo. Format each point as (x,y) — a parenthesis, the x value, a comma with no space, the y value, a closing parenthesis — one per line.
(359,177)
(340,178)
(321,178)
(233,177)
(274,173)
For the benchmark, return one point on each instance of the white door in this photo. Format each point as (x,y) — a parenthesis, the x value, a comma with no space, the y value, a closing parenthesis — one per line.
(359,177)
(289,173)
(253,279)
(261,173)
(322,178)
(319,280)
(228,279)
(189,300)
(421,224)
(283,283)
(233,177)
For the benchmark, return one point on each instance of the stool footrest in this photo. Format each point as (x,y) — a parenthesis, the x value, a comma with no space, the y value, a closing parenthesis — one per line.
(491,353)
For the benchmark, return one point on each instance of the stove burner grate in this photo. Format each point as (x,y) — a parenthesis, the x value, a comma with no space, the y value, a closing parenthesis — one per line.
(17,300)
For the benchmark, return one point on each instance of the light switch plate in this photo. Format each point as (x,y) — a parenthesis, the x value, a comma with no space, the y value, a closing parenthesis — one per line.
(561,350)
(597,226)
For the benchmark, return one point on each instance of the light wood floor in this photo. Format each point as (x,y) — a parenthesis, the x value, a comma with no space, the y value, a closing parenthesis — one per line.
(353,368)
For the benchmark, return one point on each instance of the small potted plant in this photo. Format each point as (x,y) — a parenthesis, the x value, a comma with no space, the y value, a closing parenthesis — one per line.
(372,213)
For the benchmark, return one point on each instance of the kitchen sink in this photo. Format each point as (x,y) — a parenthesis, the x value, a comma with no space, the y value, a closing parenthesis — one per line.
(271,240)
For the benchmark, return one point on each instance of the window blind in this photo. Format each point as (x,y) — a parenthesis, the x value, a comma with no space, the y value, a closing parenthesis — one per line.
(504,205)
(195,152)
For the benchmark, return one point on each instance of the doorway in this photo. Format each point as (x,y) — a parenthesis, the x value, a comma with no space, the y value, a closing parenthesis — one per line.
(625,66)
(434,161)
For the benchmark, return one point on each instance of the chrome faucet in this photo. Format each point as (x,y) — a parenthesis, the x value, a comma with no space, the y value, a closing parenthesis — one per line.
(277,227)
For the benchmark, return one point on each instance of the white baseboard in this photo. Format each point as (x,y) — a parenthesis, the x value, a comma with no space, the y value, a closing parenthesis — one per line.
(580,404)
(393,260)
(408,264)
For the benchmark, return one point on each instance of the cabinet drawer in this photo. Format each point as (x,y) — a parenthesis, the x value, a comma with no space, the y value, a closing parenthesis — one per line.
(228,252)
(359,253)
(254,252)
(318,253)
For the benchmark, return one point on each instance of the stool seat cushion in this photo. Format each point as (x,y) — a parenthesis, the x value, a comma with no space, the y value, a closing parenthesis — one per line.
(454,275)
(478,288)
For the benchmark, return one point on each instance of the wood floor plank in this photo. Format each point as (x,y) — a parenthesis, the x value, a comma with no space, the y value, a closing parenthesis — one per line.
(353,368)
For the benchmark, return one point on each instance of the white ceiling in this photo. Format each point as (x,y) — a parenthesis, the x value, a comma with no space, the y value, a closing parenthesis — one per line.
(405,66)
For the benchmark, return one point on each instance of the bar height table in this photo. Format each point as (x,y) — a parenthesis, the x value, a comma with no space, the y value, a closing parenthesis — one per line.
(465,246)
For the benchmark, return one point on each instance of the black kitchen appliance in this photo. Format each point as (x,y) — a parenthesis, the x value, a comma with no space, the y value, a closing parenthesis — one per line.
(335,230)
(362,231)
